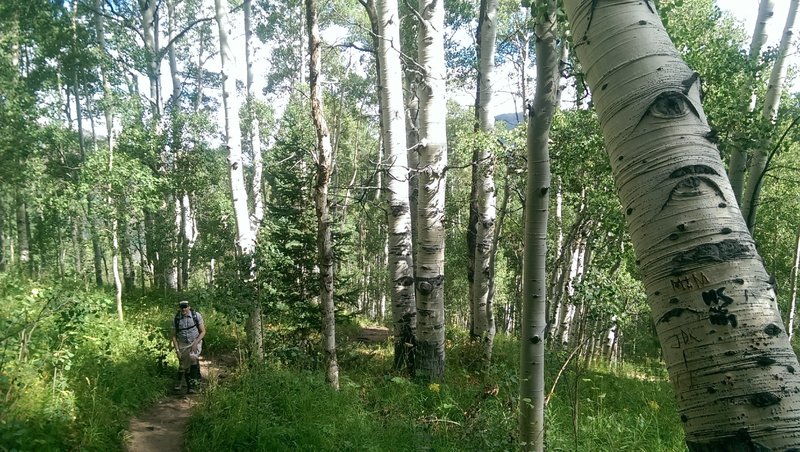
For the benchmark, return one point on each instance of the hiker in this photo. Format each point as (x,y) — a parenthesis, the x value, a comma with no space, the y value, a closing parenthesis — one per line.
(188,331)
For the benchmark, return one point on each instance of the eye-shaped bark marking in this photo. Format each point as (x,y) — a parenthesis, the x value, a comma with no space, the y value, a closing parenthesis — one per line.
(723,251)
(764,399)
(677,312)
(691,187)
(692,170)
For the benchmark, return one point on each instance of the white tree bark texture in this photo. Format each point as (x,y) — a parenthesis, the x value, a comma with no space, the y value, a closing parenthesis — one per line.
(233,138)
(431,201)
(400,259)
(730,362)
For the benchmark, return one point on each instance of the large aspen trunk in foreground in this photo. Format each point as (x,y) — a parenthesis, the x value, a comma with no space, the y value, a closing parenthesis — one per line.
(432,181)
(324,218)
(537,195)
(735,376)
(400,263)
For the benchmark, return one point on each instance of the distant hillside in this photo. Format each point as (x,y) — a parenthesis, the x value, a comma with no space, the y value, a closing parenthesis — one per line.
(509,119)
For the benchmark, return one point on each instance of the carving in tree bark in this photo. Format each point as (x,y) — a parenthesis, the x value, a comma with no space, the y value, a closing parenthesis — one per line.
(729,359)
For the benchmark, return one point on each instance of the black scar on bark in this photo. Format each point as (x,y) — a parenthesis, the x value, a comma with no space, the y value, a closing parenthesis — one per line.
(675,312)
(399,209)
(739,442)
(405,281)
(690,187)
(765,361)
(764,399)
(723,251)
(693,170)
(773,330)
(426,285)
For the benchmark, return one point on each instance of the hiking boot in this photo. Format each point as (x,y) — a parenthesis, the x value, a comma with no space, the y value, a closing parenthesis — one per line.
(179,381)
(193,378)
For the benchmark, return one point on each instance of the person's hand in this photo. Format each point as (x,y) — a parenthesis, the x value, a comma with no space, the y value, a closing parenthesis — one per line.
(194,348)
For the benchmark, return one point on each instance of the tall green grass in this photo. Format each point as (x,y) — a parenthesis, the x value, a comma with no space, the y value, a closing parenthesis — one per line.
(71,374)
(279,406)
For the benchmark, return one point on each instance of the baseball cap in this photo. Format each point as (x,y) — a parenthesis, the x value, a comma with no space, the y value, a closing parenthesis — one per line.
(183,304)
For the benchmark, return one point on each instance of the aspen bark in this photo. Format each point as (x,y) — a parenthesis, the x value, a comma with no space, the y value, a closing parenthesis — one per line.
(255,126)
(793,284)
(737,167)
(729,359)
(324,217)
(537,194)
(233,142)
(399,245)
(483,184)
(109,117)
(432,182)
(772,99)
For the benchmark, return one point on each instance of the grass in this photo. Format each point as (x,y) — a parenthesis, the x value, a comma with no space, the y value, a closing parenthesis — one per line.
(284,407)
(72,376)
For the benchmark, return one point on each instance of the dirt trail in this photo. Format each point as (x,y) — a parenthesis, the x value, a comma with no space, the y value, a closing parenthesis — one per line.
(162,427)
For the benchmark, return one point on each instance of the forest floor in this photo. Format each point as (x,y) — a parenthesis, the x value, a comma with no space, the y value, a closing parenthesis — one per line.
(162,427)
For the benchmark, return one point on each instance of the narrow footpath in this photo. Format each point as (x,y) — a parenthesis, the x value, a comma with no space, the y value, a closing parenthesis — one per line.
(162,427)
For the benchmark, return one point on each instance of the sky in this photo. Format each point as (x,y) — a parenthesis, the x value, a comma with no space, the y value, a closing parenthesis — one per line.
(744,11)
(747,10)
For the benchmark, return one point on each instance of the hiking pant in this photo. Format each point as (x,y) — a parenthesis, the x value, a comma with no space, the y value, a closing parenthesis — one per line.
(186,357)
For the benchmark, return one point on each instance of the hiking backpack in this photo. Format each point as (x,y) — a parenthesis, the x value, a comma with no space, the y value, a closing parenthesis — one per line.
(178,317)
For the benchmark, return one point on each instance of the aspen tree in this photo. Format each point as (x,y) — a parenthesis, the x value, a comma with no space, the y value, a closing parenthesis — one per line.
(432,181)
(483,184)
(769,112)
(324,218)
(400,263)
(737,166)
(537,194)
(730,362)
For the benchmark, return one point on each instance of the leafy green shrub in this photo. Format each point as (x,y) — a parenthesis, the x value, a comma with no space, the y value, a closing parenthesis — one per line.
(72,373)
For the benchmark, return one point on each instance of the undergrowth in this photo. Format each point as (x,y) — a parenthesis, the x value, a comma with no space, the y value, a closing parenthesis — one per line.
(285,406)
(71,374)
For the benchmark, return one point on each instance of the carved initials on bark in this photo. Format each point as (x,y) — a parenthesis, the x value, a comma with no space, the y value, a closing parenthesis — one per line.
(693,281)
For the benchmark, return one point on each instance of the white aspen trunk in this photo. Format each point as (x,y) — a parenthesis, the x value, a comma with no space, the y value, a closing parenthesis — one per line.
(738,162)
(254,322)
(484,184)
(255,127)
(411,100)
(793,283)
(730,361)
(324,218)
(537,194)
(23,242)
(432,182)
(772,100)
(148,11)
(244,233)
(109,117)
(399,239)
